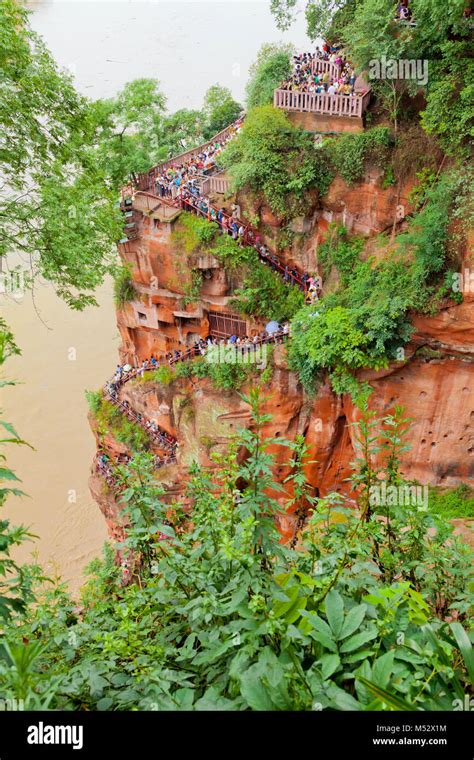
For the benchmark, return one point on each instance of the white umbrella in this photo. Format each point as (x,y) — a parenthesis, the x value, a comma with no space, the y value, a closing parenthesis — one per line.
(272,327)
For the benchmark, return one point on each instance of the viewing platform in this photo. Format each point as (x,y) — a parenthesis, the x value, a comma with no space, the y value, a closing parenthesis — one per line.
(323,111)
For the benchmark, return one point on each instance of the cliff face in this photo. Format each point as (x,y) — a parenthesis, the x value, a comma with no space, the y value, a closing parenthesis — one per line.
(435,386)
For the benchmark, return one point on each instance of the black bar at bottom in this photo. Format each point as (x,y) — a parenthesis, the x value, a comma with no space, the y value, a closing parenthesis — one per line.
(379,735)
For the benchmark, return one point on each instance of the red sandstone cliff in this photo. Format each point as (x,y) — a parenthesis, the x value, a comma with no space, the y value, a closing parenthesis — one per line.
(436,389)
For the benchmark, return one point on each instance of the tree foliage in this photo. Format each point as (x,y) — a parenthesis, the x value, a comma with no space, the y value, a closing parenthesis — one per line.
(272,66)
(272,157)
(219,110)
(56,205)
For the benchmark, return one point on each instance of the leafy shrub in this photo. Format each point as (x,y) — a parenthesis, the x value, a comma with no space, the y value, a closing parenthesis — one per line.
(192,288)
(264,294)
(272,67)
(94,400)
(340,251)
(272,157)
(233,256)
(123,286)
(109,419)
(191,232)
(163,375)
(448,113)
(351,153)
(455,502)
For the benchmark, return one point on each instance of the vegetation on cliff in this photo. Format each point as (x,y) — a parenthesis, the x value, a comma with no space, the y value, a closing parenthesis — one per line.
(123,286)
(222,616)
(109,420)
(277,160)
(271,67)
(366,322)
(258,291)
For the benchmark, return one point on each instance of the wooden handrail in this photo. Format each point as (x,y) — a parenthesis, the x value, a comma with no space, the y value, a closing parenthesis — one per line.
(312,102)
(185,204)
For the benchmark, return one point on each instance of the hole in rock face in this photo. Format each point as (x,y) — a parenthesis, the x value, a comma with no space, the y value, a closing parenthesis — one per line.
(433,443)
(277,434)
(423,394)
(465,390)
(423,440)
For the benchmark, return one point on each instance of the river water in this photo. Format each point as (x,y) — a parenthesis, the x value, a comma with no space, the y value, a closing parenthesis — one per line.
(188,46)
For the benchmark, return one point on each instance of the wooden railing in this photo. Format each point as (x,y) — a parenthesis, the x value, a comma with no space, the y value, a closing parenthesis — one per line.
(149,202)
(330,105)
(216,183)
(320,66)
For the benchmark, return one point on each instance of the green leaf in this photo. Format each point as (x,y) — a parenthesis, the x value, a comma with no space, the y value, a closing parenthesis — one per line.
(6,474)
(342,699)
(358,639)
(319,630)
(465,646)
(353,620)
(390,699)
(255,694)
(335,612)
(329,664)
(382,668)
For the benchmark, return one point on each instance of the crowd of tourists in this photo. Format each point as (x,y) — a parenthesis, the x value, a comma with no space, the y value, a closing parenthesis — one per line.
(174,180)
(181,184)
(126,372)
(306,79)
(160,437)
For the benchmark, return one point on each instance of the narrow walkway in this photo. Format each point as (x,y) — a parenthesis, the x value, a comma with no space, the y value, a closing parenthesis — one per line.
(227,223)
(159,437)
(154,189)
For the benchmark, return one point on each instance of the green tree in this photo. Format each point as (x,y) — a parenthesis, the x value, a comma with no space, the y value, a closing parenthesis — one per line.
(180,131)
(219,110)
(319,15)
(272,157)
(56,204)
(130,125)
(271,68)
(449,108)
